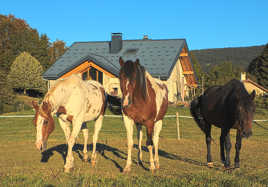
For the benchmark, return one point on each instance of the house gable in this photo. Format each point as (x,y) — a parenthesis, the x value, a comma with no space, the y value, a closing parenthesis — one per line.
(251,85)
(85,66)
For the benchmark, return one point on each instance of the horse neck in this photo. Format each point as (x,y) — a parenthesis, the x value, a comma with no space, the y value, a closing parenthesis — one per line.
(152,80)
(55,96)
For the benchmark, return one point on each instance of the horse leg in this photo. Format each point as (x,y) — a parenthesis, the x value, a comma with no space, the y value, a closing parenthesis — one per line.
(224,133)
(157,129)
(228,146)
(98,125)
(66,128)
(85,134)
(149,144)
(129,127)
(238,145)
(139,136)
(70,159)
(208,142)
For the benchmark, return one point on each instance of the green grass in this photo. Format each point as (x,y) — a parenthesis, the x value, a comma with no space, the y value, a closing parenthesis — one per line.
(182,163)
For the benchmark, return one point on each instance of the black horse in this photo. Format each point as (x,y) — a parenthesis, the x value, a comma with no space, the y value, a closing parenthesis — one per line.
(228,106)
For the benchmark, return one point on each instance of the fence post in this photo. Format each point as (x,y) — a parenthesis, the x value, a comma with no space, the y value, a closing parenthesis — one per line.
(178,125)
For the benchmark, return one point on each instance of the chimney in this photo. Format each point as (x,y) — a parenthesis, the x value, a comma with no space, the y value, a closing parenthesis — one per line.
(243,76)
(145,37)
(116,43)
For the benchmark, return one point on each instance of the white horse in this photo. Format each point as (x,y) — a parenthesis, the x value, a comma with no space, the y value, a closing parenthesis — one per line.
(75,102)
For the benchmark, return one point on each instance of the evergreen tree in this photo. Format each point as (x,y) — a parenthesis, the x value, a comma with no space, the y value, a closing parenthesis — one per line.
(199,74)
(43,51)
(222,73)
(26,73)
(197,67)
(259,68)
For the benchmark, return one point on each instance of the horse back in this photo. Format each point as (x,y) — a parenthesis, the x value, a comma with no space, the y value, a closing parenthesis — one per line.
(95,100)
(78,97)
(219,104)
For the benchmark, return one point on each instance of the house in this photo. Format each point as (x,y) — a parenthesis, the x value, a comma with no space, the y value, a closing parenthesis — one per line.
(251,85)
(167,60)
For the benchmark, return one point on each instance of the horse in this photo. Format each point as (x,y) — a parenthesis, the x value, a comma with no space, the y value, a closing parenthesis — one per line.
(227,107)
(75,102)
(144,102)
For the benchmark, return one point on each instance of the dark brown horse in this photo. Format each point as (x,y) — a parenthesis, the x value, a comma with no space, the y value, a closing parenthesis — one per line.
(144,102)
(229,106)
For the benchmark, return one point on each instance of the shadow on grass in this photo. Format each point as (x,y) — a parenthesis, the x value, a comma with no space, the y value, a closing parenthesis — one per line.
(177,157)
(78,148)
(102,148)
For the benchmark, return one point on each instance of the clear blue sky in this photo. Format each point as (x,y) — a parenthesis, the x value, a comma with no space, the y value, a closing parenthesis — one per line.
(203,23)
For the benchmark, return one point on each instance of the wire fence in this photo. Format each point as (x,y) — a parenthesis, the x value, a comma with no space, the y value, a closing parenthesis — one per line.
(115,116)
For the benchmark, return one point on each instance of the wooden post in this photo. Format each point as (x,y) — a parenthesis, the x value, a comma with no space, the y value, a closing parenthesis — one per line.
(178,125)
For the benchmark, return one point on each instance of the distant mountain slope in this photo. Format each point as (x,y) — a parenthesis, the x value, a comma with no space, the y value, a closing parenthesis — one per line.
(240,56)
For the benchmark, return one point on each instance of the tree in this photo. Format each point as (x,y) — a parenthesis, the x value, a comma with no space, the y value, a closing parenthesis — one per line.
(17,36)
(198,72)
(6,92)
(222,73)
(56,50)
(259,68)
(197,67)
(26,73)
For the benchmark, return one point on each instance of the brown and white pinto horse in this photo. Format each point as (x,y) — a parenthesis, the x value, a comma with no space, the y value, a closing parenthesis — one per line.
(144,102)
(75,102)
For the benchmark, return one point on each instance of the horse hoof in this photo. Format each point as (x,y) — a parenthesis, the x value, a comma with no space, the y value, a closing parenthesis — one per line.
(85,157)
(93,163)
(210,164)
(68,170)
(237,165)
(127,170)
(227,166)
(152,170)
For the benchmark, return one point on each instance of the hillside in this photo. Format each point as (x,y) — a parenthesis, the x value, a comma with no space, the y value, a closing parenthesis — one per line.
(240,56)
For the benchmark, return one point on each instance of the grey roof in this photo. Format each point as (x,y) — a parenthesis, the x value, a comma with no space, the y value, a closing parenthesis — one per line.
(157,56)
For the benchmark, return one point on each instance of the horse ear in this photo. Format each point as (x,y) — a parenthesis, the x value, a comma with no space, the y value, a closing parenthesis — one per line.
(252,95)
(35,105)
(137,61)
(121,61)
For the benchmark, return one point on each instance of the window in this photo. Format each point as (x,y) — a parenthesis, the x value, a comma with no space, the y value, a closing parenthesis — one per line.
(93,74)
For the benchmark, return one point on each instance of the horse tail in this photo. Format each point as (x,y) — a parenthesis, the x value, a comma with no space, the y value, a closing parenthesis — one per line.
(196,113)
(114,104)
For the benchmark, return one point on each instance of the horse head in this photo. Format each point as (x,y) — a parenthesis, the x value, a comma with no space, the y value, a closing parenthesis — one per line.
(44,124)
(246,109)
(132,81)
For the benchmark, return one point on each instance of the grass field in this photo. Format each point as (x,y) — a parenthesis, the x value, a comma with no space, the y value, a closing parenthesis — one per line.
(182,163)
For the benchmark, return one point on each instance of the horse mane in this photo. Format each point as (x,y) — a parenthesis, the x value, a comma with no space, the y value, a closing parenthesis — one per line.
(140,78)
(244,98)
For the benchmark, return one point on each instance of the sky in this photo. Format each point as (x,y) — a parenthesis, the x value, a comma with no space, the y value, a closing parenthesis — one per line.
(203,23)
